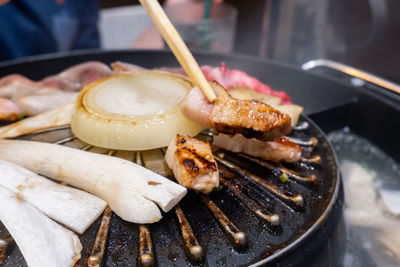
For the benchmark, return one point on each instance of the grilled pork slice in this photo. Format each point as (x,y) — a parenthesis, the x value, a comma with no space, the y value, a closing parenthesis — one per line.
(228,115)
(279,150)
(71,207)
(292,110)
(41,241)
(192,163)
(130,190)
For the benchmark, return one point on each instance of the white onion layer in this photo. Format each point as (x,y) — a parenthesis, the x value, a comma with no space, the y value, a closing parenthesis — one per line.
(135,111)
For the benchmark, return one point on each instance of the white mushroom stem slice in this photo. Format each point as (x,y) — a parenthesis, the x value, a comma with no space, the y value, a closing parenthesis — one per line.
(53,118)
(71,207)
(128,188)
(42,241)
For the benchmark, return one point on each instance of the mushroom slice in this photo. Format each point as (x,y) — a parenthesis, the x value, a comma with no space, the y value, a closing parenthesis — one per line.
(42,241)
(71,207)
(128,188)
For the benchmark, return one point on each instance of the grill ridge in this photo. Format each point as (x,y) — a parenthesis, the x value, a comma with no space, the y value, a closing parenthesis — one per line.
(193,248)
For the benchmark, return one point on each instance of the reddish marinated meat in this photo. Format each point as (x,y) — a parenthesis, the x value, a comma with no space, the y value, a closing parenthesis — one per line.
(279,150)
(192,163)
(233,78)
(228,115)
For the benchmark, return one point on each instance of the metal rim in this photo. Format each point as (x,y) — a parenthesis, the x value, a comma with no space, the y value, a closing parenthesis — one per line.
(323,216)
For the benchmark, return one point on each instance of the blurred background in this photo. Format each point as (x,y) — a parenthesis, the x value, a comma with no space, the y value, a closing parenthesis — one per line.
(360,33)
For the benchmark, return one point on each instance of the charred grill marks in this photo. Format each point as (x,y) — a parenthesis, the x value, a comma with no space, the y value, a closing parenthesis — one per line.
(190,164)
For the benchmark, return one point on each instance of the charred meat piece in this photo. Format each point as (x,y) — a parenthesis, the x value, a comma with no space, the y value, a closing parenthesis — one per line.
(278,150)
(251,118)
(193,164)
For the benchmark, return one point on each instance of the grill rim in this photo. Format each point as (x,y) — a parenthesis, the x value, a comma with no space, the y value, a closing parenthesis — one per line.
(322,218)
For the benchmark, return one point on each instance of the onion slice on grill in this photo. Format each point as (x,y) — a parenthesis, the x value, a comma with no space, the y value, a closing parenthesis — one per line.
(135,111)
(42,241)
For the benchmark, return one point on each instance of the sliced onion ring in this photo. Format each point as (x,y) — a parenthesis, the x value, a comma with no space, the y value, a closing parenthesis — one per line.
(135,111)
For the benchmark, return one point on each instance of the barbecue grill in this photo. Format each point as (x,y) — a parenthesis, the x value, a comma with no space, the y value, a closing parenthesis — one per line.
(257,217)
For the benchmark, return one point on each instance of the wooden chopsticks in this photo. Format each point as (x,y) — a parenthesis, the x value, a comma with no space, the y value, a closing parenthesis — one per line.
(178,46)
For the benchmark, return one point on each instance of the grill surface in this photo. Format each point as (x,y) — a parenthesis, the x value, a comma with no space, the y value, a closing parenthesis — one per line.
(305,235)
(252,199)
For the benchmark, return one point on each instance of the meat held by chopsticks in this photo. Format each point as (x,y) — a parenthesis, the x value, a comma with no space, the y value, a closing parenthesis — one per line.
(41,241)
(278,150)
(192,163)
(292,110)
(228,115)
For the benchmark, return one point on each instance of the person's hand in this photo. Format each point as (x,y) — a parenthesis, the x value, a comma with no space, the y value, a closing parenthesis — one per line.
(2,2)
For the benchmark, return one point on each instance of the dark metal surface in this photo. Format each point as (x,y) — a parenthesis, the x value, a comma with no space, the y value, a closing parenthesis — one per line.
(220,237)
(304,235)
